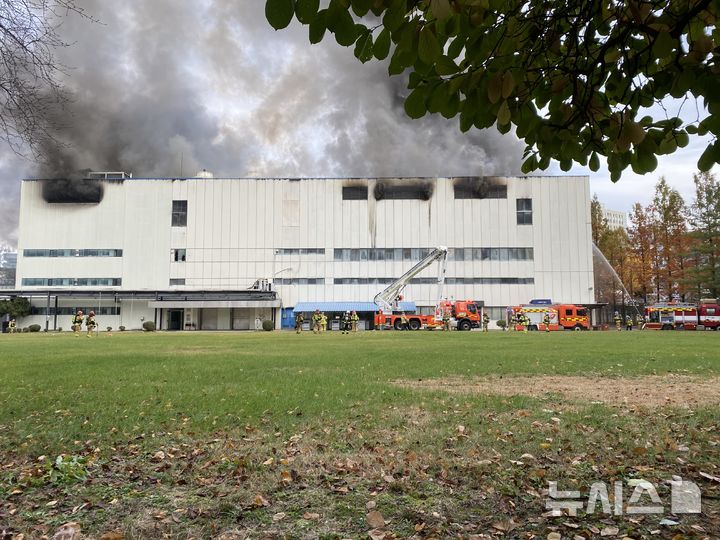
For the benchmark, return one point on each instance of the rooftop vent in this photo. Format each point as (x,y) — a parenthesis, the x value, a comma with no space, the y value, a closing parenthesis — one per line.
(204,174)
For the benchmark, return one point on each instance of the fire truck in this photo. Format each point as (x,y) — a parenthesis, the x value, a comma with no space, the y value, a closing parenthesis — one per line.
(683,316)
(464,314)
(562,316)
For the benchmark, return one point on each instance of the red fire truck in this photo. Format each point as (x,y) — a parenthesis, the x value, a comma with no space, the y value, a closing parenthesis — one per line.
(562,316)
(683,316)
(464,314)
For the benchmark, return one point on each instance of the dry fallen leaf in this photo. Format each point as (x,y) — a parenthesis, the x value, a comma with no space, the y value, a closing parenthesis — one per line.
(375,519)
(609,531)
(311,515)
(69,531)
(554,536)
(112,536)
(259,501)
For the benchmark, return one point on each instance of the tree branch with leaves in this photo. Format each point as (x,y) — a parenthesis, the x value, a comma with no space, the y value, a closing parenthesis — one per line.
(576,79)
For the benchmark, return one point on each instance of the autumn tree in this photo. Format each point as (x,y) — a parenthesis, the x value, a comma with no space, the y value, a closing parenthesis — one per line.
(30,88)
(598,220)
(704,278)
(641,243)
(669,235)
(576,80)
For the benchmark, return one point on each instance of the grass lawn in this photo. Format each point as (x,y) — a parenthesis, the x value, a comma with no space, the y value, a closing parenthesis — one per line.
(377,434)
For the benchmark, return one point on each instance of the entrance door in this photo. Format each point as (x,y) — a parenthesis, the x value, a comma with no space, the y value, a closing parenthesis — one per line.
(175,319)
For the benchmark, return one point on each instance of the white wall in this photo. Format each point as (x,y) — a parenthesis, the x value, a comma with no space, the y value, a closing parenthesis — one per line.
(235,226)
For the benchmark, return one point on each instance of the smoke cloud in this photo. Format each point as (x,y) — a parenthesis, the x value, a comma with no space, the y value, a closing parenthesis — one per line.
(165,88)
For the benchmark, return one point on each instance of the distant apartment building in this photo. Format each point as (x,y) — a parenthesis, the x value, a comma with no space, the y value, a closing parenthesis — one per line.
(615,219)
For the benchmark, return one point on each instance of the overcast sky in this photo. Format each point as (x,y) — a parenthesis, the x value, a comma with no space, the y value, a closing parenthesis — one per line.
(165,88)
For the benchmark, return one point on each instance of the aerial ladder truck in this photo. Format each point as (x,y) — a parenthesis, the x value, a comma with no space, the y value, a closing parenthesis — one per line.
(464,314)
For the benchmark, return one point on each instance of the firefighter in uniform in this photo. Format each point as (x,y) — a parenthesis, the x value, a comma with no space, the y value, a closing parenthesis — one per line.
(628,323)
(485,322)
(618,321)
(12,326)
(513,322)
(546,321)
(299,320)
(323,322)
(524,321)
(354,320)
(90,323)
(77,321)
(346,323)
(404,324)
(316,318)
(446,320)
(639,322)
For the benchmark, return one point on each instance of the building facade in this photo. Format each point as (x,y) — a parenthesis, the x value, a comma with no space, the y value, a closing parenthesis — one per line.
(615,218)
(221,253)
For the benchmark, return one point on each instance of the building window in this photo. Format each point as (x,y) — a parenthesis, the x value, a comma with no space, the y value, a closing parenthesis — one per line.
(524,211)
(71,282)
(179,213)
(480,191)
(355,193)
(177,281)
(416,254)
(72,252)
(178,255)
(300,281)
(300,251)
(433,281)
(40,310)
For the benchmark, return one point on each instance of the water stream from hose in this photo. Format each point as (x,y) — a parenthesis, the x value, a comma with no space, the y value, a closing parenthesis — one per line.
(607,266)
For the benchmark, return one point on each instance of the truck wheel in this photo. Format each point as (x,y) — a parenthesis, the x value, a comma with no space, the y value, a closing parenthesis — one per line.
(667,327)
(397,325)
(578,327)
(533,328)
(464,325)
(414,324)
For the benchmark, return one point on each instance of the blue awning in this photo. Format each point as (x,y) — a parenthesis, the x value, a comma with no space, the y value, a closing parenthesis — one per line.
(305,307)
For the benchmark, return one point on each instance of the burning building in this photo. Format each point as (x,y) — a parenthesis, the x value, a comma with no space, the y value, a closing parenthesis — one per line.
(220,253)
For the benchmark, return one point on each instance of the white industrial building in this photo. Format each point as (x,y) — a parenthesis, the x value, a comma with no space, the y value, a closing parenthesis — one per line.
(615,218)
(219,253)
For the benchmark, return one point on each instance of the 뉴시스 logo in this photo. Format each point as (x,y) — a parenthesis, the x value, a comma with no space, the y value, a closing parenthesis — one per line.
(685,498)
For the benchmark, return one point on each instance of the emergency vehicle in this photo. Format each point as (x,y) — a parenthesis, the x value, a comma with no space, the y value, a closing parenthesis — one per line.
(562,316)
(683,316)
(464,314)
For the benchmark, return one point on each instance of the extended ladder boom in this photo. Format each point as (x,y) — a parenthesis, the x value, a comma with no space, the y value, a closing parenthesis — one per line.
(387,299)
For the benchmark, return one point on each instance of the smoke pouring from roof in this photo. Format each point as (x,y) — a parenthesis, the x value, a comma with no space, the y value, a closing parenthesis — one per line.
(162,88)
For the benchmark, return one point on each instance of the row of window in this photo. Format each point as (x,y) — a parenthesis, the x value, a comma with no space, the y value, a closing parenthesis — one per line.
(110,310)
(300,251)
(351,193)
(387,281)
(402,254)
(422,191)
(415,254)
(71,282)
(72,253)
(433,281)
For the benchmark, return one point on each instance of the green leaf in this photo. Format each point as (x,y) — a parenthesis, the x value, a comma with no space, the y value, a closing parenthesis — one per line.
(594,162)
(361,7)
(508,83)
(382,44)
(279,13)
(663,45)
(440,8)
(709,157)
(318,27)
(503,116)
(428,47)
(646,160)
(394,16)
(438,98)
(415,103)
(344,29)
(364,47)
(306,10)
(456,47)
(495,88)
(445,66)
